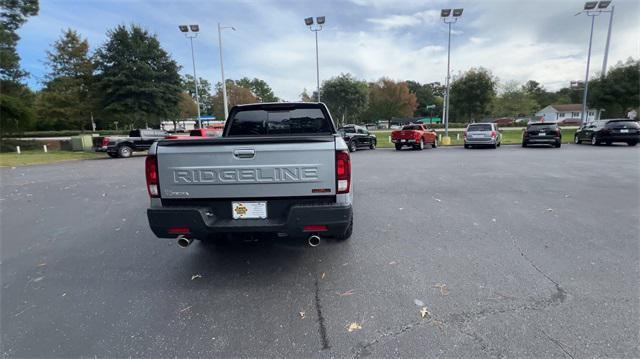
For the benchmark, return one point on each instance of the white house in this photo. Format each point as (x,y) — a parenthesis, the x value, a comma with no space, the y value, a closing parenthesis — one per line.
(557,113)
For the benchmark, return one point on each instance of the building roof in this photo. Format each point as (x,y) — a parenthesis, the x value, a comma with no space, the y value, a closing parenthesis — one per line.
(574,107)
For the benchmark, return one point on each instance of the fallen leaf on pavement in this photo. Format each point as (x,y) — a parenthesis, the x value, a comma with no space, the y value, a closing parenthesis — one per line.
(549,209)
(42,264)
(302,315)
(185,309)
(323,275)
(195,276)
(424,312)
(354,327)
(438,199)
(344,294)
(392,263)
(443,288)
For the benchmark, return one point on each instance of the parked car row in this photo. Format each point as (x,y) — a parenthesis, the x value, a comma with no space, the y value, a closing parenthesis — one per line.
(416,136)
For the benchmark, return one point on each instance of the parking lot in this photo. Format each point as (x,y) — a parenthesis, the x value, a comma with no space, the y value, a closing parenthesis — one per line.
(513,252)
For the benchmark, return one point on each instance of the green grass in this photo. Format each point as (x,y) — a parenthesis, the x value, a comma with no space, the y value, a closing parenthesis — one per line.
(509,137)
(26,158)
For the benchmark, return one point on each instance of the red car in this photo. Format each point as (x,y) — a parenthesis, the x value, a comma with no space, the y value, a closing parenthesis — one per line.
(415,135)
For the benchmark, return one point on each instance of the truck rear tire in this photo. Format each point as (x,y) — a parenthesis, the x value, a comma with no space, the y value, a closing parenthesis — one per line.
(347,234)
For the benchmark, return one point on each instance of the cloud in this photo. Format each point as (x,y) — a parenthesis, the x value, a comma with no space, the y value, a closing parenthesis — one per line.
(390,22)
(478,40)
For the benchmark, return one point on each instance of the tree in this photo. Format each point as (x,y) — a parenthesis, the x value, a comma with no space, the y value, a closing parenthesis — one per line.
(65,101)
(618,92)
(425,97)
(305,97)
(345,97)
(16,108)
(204,93)
(471,95)
(514,101)
(388,99)
(138,80)
(236,95)
(259,88)
(14,14)
(188,107)
(16,100)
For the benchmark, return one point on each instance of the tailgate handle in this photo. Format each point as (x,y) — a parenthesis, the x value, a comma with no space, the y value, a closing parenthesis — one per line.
(244,153)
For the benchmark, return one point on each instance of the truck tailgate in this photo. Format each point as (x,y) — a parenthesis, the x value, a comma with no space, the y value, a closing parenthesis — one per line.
(247,168)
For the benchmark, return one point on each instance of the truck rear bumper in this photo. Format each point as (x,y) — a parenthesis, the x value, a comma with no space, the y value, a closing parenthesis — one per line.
(201,223)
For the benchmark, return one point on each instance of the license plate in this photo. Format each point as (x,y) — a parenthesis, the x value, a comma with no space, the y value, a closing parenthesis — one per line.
(542,134)
(249,210)
(624,131)
(403,140)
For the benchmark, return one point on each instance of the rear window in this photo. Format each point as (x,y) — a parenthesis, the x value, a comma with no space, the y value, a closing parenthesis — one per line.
(195,133)
(279,122)
(622,124)
(412,127)
(480,127)
(542,126)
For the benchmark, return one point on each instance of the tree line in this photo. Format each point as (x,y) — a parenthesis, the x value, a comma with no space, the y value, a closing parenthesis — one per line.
(476,94)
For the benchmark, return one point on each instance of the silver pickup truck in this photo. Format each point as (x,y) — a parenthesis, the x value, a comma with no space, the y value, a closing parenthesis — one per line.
(279,168)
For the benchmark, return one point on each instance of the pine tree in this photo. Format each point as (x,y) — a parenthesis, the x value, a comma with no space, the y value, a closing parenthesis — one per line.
(65,101)
(138,81)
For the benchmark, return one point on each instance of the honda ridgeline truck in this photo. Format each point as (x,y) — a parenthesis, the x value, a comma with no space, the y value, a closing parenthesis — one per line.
(278,168)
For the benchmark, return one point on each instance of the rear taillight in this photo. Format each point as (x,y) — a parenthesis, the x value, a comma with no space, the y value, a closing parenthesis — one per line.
(493,134)
(343,172)
(151,172)
(105,141)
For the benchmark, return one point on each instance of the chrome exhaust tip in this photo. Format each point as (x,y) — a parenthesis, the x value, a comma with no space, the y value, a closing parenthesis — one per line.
(313,240)
(184,242)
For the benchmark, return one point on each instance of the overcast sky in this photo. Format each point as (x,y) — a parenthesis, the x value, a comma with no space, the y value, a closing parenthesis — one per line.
(404,40)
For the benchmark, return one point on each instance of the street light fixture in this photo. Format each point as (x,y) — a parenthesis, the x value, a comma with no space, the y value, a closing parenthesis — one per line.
(224,82)
(447,19)
(191,35)
(593,9)
(319,22)
(590,5)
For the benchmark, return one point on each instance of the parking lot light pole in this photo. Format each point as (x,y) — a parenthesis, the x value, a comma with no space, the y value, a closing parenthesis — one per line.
(319,22)
(448,17)
(191,32)
(606,47)
(224,82)
(592,9)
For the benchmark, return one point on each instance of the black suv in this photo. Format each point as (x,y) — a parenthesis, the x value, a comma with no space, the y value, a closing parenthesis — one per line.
(357,137)
(542,133)
(609,131)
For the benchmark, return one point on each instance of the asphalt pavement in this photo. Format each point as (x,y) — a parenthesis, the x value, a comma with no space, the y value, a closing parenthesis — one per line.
(514,252)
